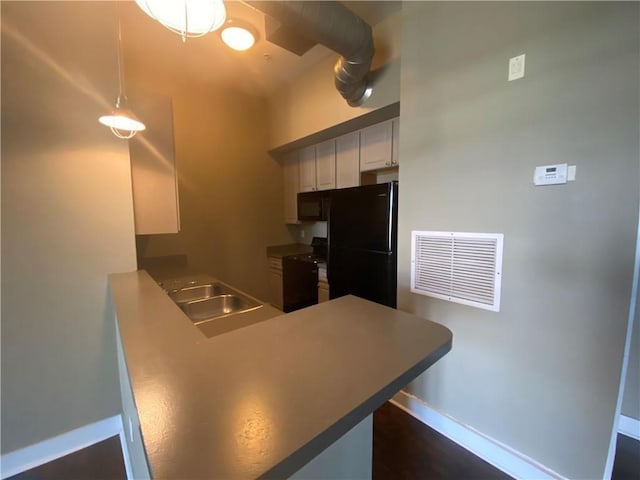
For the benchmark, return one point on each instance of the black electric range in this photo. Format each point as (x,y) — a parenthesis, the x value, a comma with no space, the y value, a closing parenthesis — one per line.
(300,276)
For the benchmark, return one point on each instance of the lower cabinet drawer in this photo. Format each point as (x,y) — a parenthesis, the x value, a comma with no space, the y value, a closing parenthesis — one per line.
(275,263)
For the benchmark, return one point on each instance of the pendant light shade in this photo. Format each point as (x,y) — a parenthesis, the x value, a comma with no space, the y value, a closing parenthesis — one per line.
(122,121)
(189,18)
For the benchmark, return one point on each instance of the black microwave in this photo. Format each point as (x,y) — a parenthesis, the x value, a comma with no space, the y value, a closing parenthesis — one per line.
(313,206)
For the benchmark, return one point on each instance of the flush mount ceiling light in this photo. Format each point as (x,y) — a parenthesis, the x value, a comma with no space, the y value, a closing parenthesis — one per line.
(189,18)
(238,35)
(122,121)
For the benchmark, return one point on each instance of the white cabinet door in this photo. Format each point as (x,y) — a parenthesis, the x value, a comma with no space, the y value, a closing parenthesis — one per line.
(376,146)
(307,165)
(291,187)
(348,160)
(153,168)
(326,165)
(395,157)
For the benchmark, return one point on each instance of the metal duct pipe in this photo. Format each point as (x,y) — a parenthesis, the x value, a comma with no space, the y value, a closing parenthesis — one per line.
(336,27)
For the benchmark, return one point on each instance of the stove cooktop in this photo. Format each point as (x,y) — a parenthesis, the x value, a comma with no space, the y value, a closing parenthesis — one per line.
(319,253)
(307,257)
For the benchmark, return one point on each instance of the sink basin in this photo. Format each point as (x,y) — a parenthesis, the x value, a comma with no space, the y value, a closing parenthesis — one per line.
(198,292)
(208,301)
(218,306)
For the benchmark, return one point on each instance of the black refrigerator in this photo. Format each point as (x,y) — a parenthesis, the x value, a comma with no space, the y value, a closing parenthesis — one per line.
(362,233)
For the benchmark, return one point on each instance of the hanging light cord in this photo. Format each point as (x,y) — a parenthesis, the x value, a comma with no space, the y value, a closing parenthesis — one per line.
(186,23)
(122,121)
(122,100)
(120,67)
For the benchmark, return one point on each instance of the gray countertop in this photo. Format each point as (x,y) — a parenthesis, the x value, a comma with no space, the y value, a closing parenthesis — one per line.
(280,251)
(263,400)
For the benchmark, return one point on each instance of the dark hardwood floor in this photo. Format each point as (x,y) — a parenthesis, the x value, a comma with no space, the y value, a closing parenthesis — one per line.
(406,449)
(626,465)
(100,461)
(403,449)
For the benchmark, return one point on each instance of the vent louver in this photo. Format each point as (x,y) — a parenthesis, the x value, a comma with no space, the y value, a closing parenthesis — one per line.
(460,267)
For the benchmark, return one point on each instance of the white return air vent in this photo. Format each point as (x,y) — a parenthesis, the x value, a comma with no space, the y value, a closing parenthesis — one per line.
(460,267)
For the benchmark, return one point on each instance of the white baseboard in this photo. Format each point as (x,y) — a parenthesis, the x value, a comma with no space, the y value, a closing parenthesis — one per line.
(40,453)
(125,450)
(491,451)
(629,426)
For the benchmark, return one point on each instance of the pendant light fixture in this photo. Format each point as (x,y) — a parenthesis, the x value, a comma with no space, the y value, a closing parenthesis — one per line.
(122,121)
(188,18)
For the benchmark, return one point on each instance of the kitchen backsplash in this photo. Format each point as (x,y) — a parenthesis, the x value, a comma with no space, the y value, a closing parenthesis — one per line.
(306,231)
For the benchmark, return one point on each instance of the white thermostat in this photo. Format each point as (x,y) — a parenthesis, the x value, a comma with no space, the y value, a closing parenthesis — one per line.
(550,174)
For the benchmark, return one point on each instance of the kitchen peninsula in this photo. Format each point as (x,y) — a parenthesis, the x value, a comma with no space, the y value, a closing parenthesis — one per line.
(269,400)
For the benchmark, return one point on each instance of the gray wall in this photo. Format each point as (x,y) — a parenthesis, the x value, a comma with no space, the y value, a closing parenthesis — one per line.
(230,189)
(67,218)
(541,375)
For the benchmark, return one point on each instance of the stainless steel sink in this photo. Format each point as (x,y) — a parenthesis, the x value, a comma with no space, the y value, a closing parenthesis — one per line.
(205,302)
(218,306)
(198,292)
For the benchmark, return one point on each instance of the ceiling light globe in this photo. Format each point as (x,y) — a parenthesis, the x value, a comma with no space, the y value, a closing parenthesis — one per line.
(189,18)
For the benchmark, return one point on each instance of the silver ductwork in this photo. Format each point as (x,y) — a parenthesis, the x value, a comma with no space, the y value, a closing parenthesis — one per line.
(336,27)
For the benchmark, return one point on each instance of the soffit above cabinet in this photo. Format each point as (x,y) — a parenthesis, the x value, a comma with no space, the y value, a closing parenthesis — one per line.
(363,121)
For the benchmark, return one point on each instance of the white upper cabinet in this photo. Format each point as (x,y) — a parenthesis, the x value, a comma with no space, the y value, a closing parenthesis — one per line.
(340,163)
(153,168)
(326,165)
(348,160)
(307,164)
(318,167)
(376,145)
(291,187)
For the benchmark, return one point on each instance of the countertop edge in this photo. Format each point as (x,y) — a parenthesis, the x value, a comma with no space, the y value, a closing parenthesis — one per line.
(316,446)
(279,251)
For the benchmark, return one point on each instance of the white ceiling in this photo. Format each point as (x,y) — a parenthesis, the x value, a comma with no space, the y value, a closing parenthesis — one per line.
(260,70)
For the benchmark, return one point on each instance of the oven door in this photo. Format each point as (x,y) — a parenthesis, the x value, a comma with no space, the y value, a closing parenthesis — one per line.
(299,283)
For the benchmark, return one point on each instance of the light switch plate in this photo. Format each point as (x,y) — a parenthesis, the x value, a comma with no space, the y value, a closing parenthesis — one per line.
(516,67)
